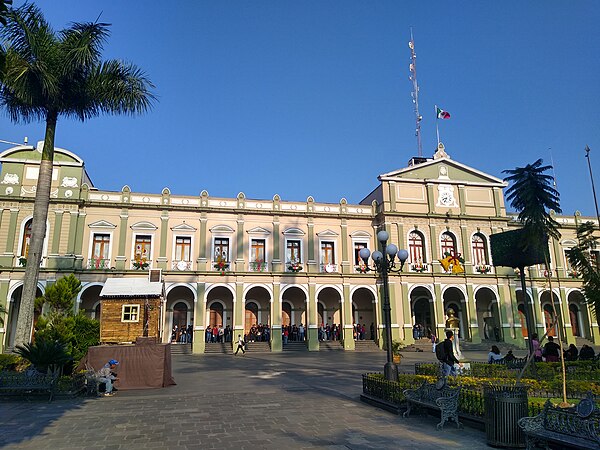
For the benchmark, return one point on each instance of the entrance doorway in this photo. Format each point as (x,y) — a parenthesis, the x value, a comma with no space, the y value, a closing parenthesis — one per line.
(251,317)
(216,315)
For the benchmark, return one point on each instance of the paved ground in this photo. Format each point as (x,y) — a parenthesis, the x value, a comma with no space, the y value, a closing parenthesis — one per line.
(258,401)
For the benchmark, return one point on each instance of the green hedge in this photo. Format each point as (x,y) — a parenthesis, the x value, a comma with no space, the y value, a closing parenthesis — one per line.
(12,362)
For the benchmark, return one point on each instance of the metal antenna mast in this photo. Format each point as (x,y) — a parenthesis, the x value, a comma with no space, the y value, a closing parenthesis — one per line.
(415,91)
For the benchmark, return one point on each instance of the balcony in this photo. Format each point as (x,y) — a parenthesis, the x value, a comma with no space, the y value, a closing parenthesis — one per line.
(98,264)
(328,268)
(258,266)
(419,267)
(181,265)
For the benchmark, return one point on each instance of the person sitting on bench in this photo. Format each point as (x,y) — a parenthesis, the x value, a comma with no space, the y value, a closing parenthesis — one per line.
(107,376)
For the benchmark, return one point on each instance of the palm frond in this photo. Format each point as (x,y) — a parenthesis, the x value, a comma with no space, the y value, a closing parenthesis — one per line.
(82,45)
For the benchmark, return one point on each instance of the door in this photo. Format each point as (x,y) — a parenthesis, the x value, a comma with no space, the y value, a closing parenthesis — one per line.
(549,318)
(286,314)
(251,318)
(216,315)
(574,315)
(521,309)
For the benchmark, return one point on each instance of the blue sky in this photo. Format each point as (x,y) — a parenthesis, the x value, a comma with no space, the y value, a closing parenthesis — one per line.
(303,98)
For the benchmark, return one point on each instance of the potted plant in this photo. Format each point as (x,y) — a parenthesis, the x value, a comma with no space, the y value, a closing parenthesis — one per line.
(396,354)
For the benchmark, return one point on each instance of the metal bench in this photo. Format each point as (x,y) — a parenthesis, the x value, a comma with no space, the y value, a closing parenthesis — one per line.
(25,383)
(576,427)
(436,396)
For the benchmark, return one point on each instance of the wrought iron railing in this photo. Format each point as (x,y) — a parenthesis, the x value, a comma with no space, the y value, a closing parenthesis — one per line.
(329,268)
(258,266)
(98,264)
(181,265)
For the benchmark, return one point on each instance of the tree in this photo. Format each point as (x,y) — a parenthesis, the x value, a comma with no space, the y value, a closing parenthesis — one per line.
(533,195)
(49,75)
(584,263)
(4,5)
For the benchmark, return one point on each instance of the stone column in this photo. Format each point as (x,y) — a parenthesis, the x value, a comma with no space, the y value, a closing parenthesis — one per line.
(348,322)
(198,344)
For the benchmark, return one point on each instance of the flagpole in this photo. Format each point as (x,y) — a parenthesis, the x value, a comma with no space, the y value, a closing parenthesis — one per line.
(437,128)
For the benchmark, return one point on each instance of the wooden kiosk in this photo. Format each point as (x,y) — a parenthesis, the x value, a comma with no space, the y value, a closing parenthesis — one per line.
(131,308)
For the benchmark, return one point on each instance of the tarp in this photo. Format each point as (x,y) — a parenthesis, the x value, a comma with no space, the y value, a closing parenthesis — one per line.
(140,366)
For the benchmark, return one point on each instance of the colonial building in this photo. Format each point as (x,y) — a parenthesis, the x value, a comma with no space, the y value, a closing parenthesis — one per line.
(240,261)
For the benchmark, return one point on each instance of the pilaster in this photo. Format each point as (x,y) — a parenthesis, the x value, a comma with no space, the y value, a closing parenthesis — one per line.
(408,335)
(55,246)
(438,311)
(276,343)
(277,266)
(311,313)
(238,312)
(348,322)
(4,303)
(202,253)
(121,258)
(162,246)
(347,265)
(311,263)
(241,245)
(8,259)
(461,199)
(472,315)
(198,344)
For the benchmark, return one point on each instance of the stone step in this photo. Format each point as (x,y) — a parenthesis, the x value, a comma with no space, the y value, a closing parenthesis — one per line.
(258,347)
(330,346)
(295,346)
(218,347)
(366,346)
(181,349)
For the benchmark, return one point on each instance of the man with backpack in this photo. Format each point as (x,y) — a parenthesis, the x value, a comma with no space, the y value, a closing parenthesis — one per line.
(445,354)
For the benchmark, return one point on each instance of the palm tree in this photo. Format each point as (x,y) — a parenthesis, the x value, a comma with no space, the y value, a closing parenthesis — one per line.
(532,194)
(50,75)
(582,260)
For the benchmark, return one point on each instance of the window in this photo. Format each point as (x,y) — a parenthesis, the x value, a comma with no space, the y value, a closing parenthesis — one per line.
(358,246)
(257,250)
(480,253)
(327,252)
(26,239)
(222,249)
(130,313)
(183,248)
(448,244)
(292,251)
(416,247)
(100,246)
(142,248)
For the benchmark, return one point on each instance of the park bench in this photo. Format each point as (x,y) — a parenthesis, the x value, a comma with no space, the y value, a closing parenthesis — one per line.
(576,427)
(516,363)
(435,396)
(27,383)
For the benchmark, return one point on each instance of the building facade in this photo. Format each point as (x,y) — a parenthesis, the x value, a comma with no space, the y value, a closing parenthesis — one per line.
(241,262)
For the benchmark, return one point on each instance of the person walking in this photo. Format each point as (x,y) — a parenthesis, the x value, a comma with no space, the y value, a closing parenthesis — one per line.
(240,345)
(445,354)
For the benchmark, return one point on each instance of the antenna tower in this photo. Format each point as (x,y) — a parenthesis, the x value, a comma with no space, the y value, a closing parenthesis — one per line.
(415,91)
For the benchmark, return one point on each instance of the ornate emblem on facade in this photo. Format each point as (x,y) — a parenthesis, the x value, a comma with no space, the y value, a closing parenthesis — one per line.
(446,195)
(69,182)
(10,178)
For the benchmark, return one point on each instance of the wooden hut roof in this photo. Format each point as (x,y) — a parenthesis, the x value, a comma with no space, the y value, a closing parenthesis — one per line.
(131,287)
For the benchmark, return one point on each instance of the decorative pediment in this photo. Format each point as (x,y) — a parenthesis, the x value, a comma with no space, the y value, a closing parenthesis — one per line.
(568,243)
(327,233)
(444,170)
(183,227)
(259,230)
(144,226)
(222,229)
(293,232)
(102,224)
(360,234)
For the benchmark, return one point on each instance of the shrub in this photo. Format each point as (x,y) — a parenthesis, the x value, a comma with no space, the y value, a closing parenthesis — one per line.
(11,362)
(46,356)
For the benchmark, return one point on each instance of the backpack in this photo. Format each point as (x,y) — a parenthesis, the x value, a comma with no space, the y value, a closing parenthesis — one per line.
(440,352)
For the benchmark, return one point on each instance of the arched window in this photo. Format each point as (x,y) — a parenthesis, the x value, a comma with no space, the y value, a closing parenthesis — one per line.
(480,252)
(448,244)
(416,247)
(26,239)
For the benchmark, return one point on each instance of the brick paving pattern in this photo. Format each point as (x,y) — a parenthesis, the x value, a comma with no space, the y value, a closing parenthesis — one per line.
(256,401)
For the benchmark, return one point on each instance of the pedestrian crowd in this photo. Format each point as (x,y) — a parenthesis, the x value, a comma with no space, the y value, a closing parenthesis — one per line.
(183,334)
(216,333)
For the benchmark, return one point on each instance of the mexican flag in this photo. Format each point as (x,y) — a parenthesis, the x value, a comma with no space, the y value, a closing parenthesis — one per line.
(441,114)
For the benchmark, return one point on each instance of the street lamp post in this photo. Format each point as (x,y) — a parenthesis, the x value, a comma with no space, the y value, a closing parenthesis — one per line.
(385,262)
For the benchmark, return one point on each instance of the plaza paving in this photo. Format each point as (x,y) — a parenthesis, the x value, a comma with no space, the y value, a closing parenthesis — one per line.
(255,401)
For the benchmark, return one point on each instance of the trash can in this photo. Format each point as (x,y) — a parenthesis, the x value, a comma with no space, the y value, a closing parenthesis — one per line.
(504,406)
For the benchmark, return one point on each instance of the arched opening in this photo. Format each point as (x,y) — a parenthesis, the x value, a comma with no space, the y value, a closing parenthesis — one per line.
(363,305)
(488,318)
(522,312)
(180,315)
(421,303)
(90,302)
(14,306)
(546,299)
(574,317)
(295,315)
(578,315)
(454,299)
(320,314)
(219,315)
(257,314)
(330,299)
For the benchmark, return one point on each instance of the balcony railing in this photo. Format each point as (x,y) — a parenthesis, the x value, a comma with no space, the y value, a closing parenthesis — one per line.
(181,265)
(329,268)
(258,266)
(293,267)
(98,264)
(419,267)
(221,266)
